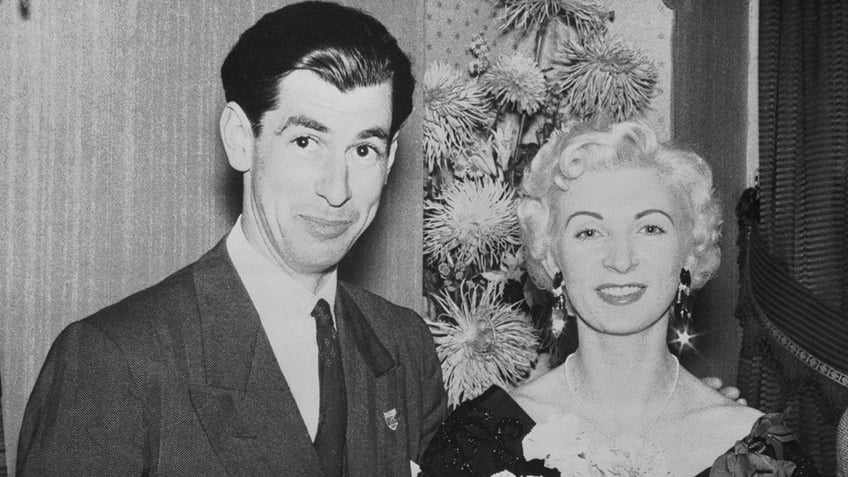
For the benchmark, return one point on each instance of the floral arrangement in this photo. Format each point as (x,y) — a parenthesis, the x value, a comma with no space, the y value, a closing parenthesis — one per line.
(481,128)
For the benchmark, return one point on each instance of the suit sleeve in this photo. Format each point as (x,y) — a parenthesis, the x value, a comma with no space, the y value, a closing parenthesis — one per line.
(84,415)
(434,399)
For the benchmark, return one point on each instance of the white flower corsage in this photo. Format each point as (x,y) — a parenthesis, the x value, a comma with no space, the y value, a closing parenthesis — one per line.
(563,445)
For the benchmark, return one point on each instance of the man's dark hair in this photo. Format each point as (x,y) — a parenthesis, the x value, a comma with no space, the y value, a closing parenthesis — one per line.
(344,46)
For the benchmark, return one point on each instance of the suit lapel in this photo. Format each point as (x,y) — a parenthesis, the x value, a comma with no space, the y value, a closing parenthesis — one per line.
(376,435)
(239,393)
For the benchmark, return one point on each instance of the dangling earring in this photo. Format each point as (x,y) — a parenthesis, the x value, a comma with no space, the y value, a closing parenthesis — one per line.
(558,311)
(683,302)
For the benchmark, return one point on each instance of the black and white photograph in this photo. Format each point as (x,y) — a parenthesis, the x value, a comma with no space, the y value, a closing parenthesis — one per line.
(494,238)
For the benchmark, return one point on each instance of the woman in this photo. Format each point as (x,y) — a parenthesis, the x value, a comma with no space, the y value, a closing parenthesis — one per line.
(622,229)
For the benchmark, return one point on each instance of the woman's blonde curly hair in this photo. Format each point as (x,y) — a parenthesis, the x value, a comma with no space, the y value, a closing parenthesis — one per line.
(622,145)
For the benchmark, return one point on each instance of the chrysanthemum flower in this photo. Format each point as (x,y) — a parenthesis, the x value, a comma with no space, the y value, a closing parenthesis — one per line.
(515,81)
(480,342)
(586,16)
(603,77)
(454,110)
(473,222)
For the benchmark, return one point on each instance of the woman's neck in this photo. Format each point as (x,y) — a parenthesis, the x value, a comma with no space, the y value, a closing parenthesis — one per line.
(622,383)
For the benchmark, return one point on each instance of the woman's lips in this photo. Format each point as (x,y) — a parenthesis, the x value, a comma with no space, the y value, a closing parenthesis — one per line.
(620,295)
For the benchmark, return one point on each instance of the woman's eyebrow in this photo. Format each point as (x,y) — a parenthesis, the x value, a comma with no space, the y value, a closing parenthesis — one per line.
(584,212)
(654,211)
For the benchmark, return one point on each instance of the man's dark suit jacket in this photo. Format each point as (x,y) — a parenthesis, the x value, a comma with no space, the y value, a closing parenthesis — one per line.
(180,379)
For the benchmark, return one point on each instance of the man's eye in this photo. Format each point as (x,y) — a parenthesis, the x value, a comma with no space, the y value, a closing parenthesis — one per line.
(302,142)
(364,151)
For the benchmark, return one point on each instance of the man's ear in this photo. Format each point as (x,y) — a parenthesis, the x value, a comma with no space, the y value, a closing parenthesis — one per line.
(391,159)
(237,136)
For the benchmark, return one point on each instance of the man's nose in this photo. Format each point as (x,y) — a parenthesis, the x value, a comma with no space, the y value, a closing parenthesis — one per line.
(334,183)
(620,255)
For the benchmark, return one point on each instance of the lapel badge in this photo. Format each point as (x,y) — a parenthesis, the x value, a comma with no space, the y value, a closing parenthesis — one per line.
(391,419)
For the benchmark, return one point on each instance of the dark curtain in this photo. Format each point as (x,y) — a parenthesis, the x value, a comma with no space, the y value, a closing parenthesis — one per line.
(793,239)
(3,471)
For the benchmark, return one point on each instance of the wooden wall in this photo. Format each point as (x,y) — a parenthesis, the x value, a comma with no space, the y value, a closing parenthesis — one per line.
(113,175)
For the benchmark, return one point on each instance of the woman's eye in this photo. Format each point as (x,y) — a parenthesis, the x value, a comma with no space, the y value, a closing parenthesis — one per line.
(653,230)
(586,234)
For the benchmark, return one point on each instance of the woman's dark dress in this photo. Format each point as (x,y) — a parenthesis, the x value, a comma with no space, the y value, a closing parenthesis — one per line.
(483,437)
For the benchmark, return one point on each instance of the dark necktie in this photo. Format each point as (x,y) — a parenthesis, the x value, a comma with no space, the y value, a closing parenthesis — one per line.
(332,411)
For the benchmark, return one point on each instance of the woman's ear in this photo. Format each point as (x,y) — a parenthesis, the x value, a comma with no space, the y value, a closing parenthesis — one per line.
(549,262)
(237,136)
(690,262)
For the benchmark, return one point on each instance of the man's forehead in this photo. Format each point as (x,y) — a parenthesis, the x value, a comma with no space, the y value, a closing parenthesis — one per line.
(311,88)
(304,93)
(330,104)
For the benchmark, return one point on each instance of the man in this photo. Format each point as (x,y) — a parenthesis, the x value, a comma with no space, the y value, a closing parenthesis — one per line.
(236,364)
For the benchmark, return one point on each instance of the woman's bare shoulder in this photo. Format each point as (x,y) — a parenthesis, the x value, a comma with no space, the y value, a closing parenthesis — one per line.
(542,398)
(705,405)
(702,425)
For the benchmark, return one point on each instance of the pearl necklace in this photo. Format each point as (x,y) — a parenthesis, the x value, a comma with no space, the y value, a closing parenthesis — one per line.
(598,427)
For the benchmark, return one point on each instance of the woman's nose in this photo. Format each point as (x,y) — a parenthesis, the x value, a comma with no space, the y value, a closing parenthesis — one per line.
(621,255)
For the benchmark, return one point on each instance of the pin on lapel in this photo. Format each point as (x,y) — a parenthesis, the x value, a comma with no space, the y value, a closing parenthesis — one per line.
(391,419)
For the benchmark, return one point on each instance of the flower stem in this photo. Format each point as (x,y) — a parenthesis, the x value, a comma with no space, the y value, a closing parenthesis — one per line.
(541,36)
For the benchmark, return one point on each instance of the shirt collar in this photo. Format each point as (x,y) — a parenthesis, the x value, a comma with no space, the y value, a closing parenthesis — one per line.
(269,287)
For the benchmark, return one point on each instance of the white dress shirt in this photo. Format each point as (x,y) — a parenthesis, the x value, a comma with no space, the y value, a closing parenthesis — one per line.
(285,308)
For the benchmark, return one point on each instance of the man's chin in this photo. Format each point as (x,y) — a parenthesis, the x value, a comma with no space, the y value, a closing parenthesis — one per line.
(328,260)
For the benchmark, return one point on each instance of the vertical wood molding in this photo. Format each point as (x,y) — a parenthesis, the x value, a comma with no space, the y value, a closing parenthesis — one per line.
(752,164)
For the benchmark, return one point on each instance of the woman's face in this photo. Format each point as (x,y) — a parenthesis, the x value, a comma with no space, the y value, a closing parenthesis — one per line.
(620,240)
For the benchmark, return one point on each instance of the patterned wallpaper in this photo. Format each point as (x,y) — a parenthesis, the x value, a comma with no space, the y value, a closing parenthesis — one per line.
(450,25)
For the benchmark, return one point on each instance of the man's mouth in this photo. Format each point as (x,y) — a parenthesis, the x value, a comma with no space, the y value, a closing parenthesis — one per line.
(327,227)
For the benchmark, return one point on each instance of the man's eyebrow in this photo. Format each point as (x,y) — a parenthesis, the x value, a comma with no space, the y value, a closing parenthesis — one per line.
(376,132)
(654,211)
(304,121)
